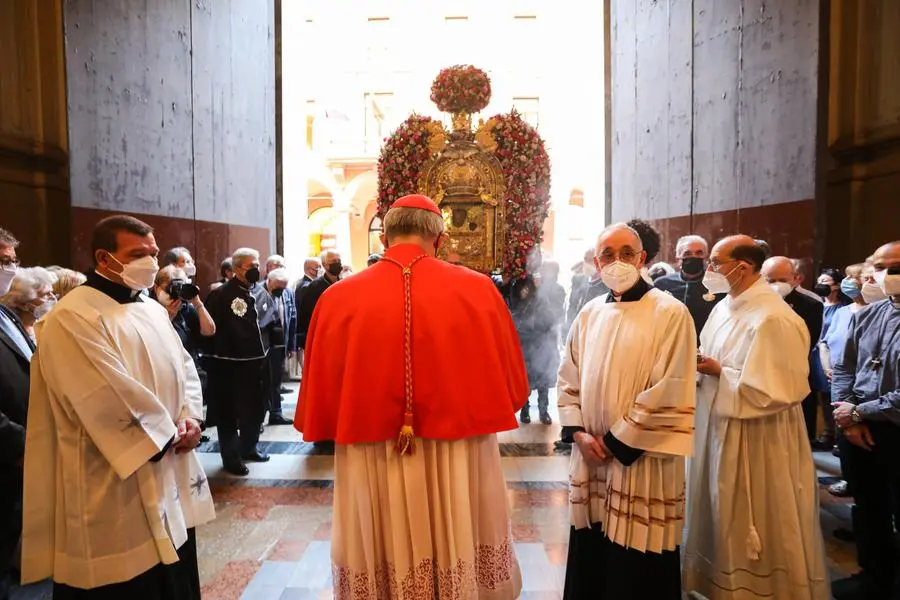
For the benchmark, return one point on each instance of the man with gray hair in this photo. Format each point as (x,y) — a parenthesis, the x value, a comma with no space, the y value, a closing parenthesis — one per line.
(331,262)
(274,323)
(412,367)
(288,305)
(181,258)
(691,252)
(236,356)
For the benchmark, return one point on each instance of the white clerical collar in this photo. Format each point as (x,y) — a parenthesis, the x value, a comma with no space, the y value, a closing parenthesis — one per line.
(758,288)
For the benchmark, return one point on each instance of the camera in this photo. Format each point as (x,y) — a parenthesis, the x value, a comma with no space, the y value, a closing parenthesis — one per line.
(182,289)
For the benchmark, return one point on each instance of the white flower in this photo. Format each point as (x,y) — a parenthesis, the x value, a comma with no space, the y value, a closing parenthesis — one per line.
(239,307)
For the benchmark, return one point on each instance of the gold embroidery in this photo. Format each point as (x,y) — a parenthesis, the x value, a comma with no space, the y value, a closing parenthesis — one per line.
(668,428)
(679,410)
(492,567)
(644,521)
(648,501)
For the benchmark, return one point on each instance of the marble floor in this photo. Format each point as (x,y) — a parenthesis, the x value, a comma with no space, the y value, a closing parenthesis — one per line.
(270,540)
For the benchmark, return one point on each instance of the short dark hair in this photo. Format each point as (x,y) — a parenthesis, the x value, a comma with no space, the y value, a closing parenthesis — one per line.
(225,266)
(105,231)
(750,253)
(8,239)
(373,258)
(767,250)
(174,254)
(649,237)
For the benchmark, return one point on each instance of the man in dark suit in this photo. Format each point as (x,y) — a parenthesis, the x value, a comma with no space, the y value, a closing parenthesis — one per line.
(306,304)
(16,349)
(781,274)
(311,268)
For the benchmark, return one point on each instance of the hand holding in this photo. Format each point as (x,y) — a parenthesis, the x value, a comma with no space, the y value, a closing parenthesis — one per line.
(843,414)
(592,449)
(709,366)
(188,435)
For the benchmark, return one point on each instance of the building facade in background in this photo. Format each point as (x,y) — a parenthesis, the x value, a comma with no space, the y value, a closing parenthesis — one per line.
(372,65)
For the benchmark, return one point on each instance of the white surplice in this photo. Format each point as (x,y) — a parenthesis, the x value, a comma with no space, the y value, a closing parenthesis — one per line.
(434,524)
(753,511)
(108,382)
(630,369)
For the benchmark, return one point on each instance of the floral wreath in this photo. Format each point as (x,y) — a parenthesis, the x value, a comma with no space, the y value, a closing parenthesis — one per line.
(523,160)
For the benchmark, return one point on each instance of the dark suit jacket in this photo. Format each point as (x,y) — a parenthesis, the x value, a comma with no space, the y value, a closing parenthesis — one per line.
(811,311)
(306,304)
(15,373)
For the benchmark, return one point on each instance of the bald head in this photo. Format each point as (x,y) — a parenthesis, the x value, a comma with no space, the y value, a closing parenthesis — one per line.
(887,256)
(738,248)
(779,269)
(621,233)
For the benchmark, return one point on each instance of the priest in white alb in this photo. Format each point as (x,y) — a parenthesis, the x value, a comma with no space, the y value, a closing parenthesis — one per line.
(626,399)
(753,511)
(113,488)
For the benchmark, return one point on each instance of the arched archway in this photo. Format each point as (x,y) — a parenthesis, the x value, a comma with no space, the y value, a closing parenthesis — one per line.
(323,230)
(375,230)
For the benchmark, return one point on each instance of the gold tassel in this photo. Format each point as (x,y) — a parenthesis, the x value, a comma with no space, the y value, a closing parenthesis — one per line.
(754,544)
(406,441)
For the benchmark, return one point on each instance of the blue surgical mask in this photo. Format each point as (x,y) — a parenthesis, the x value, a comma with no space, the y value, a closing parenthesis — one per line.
(850,288)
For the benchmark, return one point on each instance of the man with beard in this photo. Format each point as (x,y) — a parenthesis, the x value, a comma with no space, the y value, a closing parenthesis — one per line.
(687,285)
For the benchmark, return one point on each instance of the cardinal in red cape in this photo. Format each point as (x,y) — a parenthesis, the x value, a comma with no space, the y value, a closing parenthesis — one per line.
(412,367)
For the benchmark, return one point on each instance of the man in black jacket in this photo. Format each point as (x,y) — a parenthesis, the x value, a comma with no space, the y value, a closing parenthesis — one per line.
(779,271)
(306,303)
(16,349)
(236,357)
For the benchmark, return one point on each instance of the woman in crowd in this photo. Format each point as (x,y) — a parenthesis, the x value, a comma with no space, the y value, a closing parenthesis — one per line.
(536,320)
(30,296)
(66,281)
(828,287)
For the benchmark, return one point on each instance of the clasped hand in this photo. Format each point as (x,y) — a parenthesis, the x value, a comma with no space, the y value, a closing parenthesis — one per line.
(593,450)
(709,366)
(188,435)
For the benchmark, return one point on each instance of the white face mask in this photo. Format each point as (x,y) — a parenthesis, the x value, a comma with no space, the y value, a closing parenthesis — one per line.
(190,269)
(139,274)
(41,310)
(716,283)
(889,284)
(872,293)
(782,288)
(619,277)
(6,276)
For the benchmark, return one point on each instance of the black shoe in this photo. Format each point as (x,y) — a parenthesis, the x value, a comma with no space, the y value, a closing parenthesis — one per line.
(855,587)
(545,418)
(204,438)
(257,457)
(238,469)
(279,420)
(525,415)
(285,390)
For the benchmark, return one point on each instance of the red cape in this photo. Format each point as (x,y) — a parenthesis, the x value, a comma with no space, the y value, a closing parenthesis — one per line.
(468,372)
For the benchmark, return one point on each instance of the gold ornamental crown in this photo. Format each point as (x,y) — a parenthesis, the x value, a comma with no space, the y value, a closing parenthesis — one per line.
(462,179)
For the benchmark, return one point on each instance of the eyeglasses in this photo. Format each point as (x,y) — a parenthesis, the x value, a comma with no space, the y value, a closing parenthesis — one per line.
(6,261)
(717,266)
(625,255)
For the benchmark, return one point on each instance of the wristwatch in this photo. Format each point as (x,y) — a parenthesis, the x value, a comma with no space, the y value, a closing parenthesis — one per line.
(855,416)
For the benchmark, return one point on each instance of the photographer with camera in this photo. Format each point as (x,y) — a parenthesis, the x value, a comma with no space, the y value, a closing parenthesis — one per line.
(174,290)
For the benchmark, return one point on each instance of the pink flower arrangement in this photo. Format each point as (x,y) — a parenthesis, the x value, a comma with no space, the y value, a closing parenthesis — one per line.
(461,88)
(526,169)
(402,159)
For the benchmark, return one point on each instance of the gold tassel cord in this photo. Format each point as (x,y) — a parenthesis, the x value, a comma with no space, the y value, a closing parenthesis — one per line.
(406,440)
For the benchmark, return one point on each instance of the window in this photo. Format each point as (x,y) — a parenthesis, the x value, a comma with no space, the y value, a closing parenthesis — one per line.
(378,35)
(310,120)
(375,229)
(458,43)
(377,109)
(529,108)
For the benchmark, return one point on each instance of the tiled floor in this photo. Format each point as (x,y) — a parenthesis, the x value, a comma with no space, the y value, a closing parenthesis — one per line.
(270,540)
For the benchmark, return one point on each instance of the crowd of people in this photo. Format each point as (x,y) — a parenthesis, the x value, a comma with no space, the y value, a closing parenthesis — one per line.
(690,395)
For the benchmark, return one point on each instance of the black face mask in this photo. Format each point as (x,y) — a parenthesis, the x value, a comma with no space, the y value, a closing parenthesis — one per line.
(277,292)
(335,269)
(822,289)
(252,275)
(692,265)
